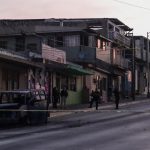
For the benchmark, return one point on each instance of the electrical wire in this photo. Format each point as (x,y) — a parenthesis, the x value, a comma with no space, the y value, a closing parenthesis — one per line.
(132,5)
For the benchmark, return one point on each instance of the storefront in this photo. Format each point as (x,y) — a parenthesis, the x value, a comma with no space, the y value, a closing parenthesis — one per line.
(71,76)
(14,71)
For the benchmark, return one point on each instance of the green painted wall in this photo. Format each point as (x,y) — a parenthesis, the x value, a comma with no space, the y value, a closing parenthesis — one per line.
(75,97)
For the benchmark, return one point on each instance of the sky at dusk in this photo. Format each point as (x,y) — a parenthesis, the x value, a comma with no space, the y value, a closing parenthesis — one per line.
(135,13)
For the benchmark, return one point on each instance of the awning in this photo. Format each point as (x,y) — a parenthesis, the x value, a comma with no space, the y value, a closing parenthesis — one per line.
(67,69)
(77,70)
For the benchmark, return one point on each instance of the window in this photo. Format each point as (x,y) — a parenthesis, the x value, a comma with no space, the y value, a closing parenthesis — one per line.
(72,84)
(111,27)
(20,44)
(59,41)
(101,44)
(51,41)
(32,47)
(104,84)
(86,41)
(72,40)
(3,44)
(92,41)
(64,82)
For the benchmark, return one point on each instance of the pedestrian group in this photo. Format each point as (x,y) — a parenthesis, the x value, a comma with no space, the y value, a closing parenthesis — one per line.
(95,97)
(56,97)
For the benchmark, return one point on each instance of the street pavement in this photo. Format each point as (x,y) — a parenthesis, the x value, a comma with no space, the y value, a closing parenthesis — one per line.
(83,128)
(103,106)
(86,129)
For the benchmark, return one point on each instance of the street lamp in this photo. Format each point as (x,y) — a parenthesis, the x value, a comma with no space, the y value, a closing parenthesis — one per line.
(148,94)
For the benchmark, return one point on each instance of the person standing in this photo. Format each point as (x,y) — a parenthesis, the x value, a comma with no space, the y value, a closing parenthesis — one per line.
(64,95)
(56,96)
(117,97)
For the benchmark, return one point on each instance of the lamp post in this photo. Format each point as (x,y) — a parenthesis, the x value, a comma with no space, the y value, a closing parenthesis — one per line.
(148,94)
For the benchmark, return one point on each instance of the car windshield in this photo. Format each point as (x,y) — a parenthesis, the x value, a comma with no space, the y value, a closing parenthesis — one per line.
(12,97)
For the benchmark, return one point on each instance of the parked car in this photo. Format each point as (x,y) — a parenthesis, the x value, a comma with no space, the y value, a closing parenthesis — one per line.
(28,106)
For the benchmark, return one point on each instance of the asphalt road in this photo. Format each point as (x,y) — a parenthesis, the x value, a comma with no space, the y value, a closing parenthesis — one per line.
(125,129)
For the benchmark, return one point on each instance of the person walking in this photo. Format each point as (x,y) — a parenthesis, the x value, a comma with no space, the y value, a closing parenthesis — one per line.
(64,95)
(95,98)
(56,96)
(117,97)
(91,99)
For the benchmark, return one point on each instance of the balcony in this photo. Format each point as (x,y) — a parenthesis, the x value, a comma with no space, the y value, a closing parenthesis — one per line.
(115,36)
(138,53)
(104,55)
(79,54)
(53,54)
(120,62)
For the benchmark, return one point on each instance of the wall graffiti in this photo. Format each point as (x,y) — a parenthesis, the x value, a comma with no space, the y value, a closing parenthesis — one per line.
(38,79)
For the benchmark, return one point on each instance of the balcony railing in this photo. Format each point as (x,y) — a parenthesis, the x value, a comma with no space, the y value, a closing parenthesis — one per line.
(122,39)
(138,53)
(104,55)
(80,53)
(120,61)
(53,54)
(85,54)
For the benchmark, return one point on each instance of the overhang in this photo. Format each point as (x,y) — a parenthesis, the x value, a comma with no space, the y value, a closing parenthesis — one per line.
(19,60)
(67,69)
(77,70)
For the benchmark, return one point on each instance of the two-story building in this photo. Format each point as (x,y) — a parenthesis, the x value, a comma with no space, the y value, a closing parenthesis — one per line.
(109,44)
(27,62)
(95,43)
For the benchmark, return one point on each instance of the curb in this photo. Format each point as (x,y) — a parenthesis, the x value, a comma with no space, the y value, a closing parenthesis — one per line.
(59,113)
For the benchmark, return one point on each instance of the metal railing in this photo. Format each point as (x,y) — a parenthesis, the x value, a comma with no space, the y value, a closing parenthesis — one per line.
(122,39)
(120,61)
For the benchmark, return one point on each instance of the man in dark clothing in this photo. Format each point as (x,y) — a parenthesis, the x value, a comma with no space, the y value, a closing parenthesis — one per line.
(117,97)
(56,96)
(95,97)
(91,99)
(64,95)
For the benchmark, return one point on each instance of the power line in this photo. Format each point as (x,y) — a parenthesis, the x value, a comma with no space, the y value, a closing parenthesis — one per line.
(133,5)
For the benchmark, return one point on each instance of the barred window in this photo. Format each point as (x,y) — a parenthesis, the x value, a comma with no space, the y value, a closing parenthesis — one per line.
(32,47)
(20,44)
(73,83)
(3,44)
(72,40)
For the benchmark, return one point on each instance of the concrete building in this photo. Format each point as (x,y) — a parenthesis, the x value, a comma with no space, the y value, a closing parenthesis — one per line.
(27,62)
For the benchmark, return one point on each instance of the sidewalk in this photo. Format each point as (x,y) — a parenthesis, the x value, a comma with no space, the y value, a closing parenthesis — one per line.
(103,106)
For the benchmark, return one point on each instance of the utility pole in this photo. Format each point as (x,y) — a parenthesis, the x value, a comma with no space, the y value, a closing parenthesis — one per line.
(133,69)
(148,94)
